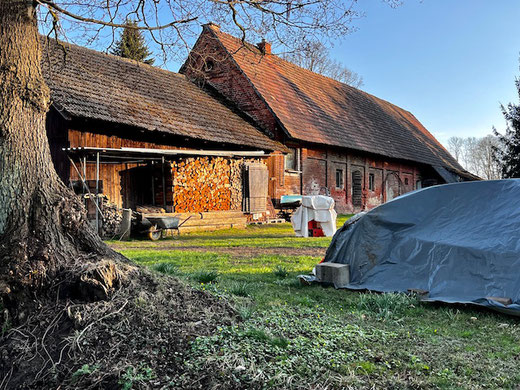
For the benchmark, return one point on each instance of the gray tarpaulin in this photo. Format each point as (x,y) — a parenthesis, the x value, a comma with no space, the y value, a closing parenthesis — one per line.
(460,242)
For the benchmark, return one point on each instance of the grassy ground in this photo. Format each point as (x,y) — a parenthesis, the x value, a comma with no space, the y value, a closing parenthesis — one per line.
(292,336)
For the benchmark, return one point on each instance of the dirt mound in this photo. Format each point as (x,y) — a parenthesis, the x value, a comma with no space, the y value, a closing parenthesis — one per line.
(137,338)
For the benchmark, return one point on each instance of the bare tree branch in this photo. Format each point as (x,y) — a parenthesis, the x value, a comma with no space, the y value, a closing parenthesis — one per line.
(54,7)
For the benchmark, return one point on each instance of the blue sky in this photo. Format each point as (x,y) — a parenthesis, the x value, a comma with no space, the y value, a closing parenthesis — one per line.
(450,62)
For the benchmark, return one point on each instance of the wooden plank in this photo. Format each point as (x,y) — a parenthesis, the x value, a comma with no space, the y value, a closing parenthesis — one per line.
(205,222)
(205,215)
(207,228)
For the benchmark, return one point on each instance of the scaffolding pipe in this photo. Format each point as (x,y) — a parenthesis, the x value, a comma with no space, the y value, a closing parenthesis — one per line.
(85,172)
(84,184)
(153,184)
(163,185)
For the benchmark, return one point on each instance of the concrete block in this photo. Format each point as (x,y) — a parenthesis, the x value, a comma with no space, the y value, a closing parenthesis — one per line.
(334,273)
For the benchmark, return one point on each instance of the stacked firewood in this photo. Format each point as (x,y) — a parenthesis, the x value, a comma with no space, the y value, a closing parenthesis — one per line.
(236,182)
(112,217)
(201,184)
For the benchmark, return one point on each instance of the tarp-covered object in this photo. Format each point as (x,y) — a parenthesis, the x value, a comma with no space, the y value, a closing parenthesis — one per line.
(317,208)
(460,242)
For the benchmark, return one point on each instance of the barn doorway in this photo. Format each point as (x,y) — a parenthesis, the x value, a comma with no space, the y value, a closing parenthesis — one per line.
(143,186)
(392,185)
(357,188)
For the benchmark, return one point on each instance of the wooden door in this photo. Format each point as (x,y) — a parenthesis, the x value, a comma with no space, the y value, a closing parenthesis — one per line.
(255,188)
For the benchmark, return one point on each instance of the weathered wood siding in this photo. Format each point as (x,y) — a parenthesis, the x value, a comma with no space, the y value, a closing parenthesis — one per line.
(109,173)
(195,184)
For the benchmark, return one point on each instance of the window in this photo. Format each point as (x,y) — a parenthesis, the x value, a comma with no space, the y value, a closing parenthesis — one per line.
(405,181)
(291,160)
(339,178)
(371,182)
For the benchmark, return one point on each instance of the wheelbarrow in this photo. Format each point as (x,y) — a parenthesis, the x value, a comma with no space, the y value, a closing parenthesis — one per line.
(154,226)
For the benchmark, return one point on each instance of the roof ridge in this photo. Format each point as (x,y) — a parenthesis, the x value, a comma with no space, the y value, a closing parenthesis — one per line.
(258,52)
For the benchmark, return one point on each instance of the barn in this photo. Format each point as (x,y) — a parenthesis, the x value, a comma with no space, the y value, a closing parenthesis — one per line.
(360,149)
(128,135)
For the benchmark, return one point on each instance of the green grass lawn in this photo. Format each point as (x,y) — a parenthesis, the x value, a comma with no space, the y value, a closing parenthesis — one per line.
(291,336)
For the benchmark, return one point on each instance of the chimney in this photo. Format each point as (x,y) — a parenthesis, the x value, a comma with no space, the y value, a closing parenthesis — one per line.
(265,47)
(212,26)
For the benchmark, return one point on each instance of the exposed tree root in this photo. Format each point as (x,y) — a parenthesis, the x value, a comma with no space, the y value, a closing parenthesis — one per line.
(138,335)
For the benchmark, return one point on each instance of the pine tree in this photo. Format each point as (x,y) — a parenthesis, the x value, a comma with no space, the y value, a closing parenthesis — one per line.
(508,154)
(131,44)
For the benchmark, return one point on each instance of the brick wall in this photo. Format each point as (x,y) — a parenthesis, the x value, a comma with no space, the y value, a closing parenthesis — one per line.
(228,80)
(319,170)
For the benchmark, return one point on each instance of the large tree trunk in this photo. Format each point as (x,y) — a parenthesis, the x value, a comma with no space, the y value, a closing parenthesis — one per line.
(43,230)
(54,269)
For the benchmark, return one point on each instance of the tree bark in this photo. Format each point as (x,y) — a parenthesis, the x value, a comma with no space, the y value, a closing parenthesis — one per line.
(44,233)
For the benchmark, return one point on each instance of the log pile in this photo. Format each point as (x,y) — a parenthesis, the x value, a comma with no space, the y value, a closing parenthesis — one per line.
(236,181)
(201,184)
(112,217)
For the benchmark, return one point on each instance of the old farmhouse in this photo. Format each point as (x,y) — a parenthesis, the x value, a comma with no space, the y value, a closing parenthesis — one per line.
(145,137)
(359,148)
(237,131)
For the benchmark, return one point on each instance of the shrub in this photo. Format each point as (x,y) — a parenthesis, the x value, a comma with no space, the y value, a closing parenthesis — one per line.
(166,268)
(240,289)
(205,276)
(280,272)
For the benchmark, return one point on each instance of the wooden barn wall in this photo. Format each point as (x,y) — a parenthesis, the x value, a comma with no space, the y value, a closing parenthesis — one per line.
(317,172)
(194,184)
(109,173)
(84,138)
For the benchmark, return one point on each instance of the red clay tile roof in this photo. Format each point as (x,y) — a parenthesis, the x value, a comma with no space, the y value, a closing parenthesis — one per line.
(94,85)
(315,108)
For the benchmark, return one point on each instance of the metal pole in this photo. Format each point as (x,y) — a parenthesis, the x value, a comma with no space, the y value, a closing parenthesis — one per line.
(84,183)
(153,183)
(85,171)
(97,192)
(163,185)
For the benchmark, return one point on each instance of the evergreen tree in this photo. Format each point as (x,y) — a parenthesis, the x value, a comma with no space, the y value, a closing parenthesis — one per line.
(132,45)
(508,154)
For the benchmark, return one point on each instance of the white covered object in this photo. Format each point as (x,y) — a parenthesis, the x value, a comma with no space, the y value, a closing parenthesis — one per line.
(317,208)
